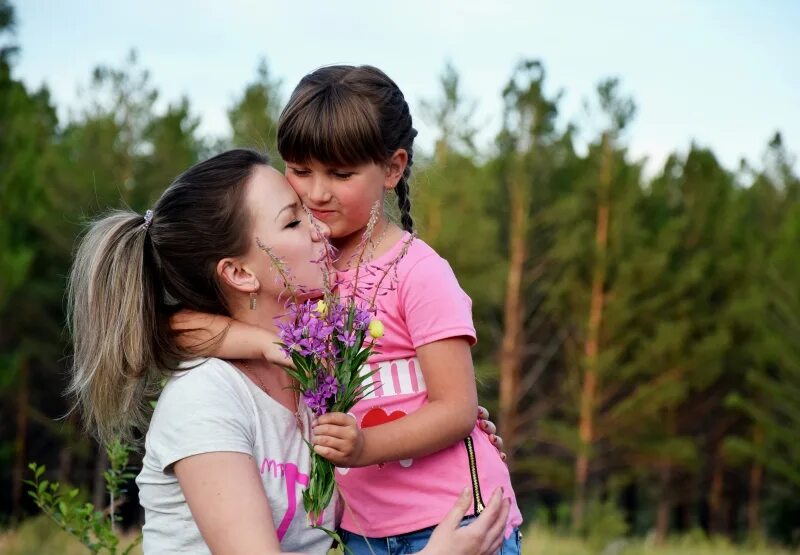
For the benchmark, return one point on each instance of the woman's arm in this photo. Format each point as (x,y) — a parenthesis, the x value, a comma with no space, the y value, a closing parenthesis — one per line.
(447,417)
(224,337)
(228,503)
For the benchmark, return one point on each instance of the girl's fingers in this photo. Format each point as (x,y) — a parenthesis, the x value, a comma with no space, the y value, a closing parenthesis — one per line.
(483,413)
(488,427)
(336,418)
(333,455)
(332,430)
(343,446)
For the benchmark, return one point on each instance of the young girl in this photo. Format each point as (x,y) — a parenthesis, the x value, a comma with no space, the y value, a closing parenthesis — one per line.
(347,138)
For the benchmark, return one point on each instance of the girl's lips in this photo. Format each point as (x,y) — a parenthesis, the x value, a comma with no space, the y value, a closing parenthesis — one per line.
(322,214)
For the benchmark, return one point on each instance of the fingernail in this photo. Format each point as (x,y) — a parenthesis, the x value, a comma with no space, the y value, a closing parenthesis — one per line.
(465,491)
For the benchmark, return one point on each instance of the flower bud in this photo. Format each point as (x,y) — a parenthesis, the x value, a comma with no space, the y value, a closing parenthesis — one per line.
(376,329)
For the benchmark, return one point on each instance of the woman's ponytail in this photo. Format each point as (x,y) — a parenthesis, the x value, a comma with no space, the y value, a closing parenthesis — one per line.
(116,325)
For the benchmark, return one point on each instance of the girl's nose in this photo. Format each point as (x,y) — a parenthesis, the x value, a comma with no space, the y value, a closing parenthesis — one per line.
(319,192)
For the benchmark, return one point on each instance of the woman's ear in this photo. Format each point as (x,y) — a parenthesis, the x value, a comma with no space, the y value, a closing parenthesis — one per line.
(237,276)
(395,168)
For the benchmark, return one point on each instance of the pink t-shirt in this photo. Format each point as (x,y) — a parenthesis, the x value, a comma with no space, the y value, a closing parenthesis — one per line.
(423,304)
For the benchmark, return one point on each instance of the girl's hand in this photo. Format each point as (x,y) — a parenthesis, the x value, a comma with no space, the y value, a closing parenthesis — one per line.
(337,437)
(488,426)
(482,536)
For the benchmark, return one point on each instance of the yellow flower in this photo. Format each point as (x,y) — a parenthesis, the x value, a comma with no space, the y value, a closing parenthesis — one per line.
(376,329)
(322,308)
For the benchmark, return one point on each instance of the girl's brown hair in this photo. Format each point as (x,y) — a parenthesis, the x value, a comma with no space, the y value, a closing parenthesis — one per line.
(346,115)
(131,273)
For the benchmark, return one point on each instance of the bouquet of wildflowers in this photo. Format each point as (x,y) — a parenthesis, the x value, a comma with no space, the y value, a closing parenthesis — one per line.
(329,340)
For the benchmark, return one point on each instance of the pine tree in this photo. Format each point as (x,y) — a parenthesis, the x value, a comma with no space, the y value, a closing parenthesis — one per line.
(254,116)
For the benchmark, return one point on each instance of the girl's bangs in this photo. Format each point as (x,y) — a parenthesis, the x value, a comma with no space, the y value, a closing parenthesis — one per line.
(333,127)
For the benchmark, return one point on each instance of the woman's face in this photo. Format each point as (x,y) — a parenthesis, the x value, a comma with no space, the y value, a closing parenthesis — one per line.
(279,222)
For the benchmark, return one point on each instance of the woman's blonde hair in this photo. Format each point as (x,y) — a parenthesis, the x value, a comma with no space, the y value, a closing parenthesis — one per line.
(130,274)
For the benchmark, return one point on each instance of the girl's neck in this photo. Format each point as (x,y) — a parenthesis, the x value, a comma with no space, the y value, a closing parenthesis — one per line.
(384,236)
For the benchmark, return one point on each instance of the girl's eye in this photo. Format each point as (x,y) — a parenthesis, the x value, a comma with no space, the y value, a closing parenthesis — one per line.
(300,172)
(293,224)
(342,175)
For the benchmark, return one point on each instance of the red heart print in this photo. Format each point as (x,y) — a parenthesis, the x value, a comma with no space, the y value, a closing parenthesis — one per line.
(379,416)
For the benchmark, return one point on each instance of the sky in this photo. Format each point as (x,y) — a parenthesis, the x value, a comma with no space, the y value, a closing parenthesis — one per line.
(722,73)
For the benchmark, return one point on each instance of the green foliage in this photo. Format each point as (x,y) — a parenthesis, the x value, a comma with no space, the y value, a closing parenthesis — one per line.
(539,540)
(92,526)
(604,524)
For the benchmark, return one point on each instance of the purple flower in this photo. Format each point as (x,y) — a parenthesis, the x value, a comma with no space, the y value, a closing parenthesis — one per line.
(348,338)
(317,400)
(361,319)
(328,387)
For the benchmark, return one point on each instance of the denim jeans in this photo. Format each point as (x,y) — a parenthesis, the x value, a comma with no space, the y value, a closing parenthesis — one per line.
(413,542)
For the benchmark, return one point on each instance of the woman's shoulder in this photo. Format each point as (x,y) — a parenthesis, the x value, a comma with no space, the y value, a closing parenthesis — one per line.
(200,379)
(203,407)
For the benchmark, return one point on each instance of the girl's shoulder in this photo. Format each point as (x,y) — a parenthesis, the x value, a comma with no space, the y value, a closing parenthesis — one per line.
(416,253)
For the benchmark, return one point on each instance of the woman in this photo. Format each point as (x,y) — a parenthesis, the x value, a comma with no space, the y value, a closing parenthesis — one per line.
(225,459)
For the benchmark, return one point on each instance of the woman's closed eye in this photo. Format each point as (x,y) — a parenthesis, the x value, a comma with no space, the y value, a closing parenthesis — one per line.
(293,224)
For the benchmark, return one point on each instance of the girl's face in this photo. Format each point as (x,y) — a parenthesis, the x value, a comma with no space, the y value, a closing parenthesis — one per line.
(279,222)
(341,197)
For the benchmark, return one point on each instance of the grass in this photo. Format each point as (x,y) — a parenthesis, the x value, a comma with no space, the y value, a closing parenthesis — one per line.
(39,536)
(540,541)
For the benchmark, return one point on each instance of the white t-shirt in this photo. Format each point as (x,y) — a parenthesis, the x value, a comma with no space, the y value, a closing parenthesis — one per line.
(214,407)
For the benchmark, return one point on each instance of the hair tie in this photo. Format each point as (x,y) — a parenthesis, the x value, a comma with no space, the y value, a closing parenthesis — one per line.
(148,219)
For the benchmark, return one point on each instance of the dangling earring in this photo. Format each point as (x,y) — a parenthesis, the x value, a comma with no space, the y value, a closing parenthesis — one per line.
(253,296)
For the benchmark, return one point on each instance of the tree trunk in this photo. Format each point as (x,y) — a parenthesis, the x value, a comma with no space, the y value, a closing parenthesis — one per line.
(66,458)
(754,494)
(20,444)
(717,511)
(511,346)
(590,386)
(99,489)
(664,505)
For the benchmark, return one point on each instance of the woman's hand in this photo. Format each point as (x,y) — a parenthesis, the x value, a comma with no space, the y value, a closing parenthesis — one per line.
(337,437)
(489,427)
(482,536)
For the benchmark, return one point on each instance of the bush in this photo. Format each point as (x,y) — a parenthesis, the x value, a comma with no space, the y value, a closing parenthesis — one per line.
(41,536)
(94,527)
